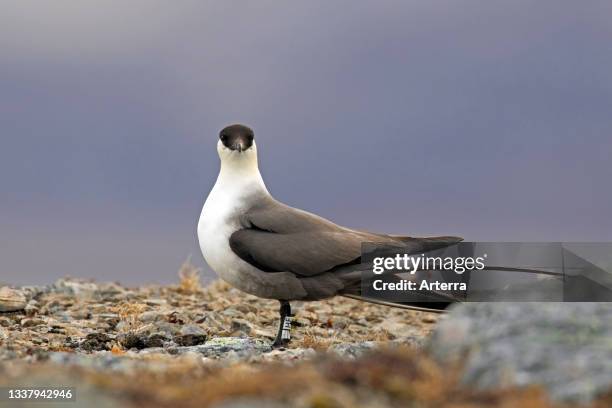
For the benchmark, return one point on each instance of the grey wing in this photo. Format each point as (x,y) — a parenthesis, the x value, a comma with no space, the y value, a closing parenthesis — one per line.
(304,254)
(279,238)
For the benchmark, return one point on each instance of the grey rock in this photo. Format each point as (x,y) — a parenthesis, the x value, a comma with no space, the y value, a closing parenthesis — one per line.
(31,322)
(565,347)
(415,341)
(339,322)
(242,326)
(168,329)
(232,347)
(132,340)
(190,335)
(156,302)
(56,329)
(353,350)
(156,340)
(289,355)
(96,342)
(31,308)
(75,288)
(143,340)
(123,326)
(32,292)
(151,316)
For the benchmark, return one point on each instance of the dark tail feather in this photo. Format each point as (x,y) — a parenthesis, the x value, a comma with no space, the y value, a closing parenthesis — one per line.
(435,307)
(427,301)
(426,244)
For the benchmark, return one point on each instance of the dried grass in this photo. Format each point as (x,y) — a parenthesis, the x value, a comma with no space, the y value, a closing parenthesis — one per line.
(189,278)
(129,314)
(311,340)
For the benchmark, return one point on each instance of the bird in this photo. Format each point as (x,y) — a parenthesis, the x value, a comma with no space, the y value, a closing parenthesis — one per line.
(271,250)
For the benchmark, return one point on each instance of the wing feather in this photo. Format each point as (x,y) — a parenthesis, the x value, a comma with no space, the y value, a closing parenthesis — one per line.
(279,238)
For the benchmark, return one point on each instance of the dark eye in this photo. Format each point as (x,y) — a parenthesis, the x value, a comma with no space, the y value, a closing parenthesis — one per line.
(223,137)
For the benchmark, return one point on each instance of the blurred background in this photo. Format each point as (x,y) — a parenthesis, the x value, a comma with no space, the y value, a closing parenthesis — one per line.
(487,119)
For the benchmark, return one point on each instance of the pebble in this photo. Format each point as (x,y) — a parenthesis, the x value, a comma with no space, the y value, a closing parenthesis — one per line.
(96,342)
(11,299)
(190,335)
(226,347)
(31,322)
(241,326)
(156,340)
(132,340)
(151,316)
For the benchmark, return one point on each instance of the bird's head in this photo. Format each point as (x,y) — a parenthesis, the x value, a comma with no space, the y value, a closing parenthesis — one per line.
(237,145)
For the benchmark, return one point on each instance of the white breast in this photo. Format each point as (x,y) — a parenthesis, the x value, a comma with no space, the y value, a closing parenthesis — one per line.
(220,218)
(218,221)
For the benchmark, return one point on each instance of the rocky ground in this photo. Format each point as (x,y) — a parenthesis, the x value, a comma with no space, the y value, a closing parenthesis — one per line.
(184,345)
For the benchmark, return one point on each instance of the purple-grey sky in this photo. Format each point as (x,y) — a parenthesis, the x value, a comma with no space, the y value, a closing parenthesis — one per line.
(487,119)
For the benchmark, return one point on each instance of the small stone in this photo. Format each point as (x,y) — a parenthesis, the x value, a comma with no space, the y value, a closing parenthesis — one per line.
(177,318)
(241,326)
(229,347)
(4,322)
(122,326)
(31,322)
(79,289)
(81,315)
(156,340)
(352,350)
(169,329)
(190,335)
(57,330)
(11,300)
(131,340)
(151,316)
(31,308)
(340,322)
(429,318)
(156,302)
(96,342)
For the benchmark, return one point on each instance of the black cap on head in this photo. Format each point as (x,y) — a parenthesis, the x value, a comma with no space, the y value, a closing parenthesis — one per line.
(237,137)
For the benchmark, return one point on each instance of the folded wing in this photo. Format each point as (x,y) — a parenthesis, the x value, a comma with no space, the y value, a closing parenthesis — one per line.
(279,238)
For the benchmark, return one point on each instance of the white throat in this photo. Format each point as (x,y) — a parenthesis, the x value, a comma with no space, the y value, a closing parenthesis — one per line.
(239,174)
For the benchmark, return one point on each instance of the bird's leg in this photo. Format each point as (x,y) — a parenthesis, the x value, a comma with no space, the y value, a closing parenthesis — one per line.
(284,328)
